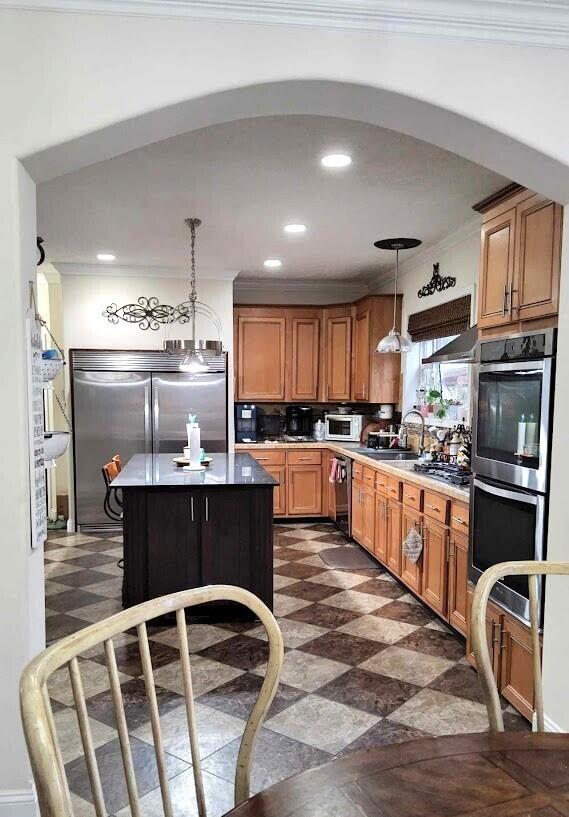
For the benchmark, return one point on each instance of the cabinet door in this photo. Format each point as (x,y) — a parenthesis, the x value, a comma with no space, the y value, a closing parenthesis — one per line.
(174,525)
(457,581)
(496,270)
(304,490)
(394,536)
(537,258)
(328,488)
(411,571)
(279,491)
(304,351)
(368,533)
(492,621)
(515,680)
(381,528)
(362,328)
(338,358)
(261,358)
(357,511)
(435,566)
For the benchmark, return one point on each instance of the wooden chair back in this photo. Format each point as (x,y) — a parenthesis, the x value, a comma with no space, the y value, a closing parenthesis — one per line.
(479,640)
(39,726)
(118,462)
(112,503)
(110,471)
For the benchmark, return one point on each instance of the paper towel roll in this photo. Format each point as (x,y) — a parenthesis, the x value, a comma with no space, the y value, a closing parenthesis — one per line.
(521,437)
(195,445)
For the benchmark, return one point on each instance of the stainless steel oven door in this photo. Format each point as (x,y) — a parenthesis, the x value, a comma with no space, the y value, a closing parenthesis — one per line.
(512,411)
(506,525)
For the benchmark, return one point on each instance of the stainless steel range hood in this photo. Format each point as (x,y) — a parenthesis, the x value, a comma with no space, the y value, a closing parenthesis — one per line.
(460,350)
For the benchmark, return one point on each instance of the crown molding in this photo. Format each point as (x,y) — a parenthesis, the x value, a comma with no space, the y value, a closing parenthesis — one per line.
(132,271)
(521,22)
(244,285)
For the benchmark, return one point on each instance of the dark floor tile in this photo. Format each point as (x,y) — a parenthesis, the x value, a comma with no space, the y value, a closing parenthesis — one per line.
(332,538)
(92,560)
(237,697)
(101,545)
(514,722)
(380,587)
(130,662)
(60,625)
(289,554)
(369,691)
(324,615)
(403,611)
(298,571)
(238,626)
(325,527)
(83,578)
(461,680)
(385,733)
(71,599)
(56,706)
(349,649)
(112,776)
(241,651)
(433,642)
(135,703)
(276,757)
(310,591)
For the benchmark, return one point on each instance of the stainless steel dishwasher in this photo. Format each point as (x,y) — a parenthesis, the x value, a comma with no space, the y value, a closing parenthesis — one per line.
(341,469)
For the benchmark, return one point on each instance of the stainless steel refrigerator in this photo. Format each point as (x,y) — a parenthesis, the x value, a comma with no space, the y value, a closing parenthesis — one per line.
(134,403)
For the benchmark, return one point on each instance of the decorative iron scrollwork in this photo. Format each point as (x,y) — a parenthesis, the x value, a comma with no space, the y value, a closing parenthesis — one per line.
(148,313)
(437,283)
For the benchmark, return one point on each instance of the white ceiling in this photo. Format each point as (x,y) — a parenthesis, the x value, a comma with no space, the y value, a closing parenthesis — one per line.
(245,180)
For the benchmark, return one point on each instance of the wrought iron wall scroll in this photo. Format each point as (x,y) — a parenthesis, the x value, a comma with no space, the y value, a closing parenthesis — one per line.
(437,283)
(149,313)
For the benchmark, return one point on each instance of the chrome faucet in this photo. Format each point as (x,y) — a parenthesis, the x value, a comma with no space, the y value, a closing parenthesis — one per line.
(422,419)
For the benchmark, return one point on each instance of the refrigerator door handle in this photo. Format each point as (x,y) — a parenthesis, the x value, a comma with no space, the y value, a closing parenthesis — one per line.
(147,429)
(156,420)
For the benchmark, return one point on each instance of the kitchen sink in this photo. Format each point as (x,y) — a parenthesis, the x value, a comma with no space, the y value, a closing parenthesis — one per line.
(386,455)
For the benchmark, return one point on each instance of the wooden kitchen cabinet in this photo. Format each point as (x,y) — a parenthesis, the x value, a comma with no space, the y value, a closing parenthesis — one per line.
(304,490)
(492,633)
(362,352)
(411,572)
(338,347)
(357,510)
(261,373)
(520,259)
(394,522)
(303,357)
(435,568)
(375,377)
(457,581)
(279,491)
(368,524)
(380,548)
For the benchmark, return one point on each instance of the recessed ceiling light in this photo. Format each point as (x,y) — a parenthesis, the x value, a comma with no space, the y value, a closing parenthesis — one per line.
(336,160)
(272,263)
(105,256)
(295,228)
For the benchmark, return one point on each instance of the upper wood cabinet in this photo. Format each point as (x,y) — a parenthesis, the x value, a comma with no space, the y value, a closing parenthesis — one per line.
(304,358)
(338,348)
(362,352)
(260,354)
(520,260)
(375,377)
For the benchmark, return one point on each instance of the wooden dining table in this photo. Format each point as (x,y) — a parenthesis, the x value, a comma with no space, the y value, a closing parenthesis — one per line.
(508,774)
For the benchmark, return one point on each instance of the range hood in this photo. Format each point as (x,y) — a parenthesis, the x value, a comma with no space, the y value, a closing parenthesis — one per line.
(460,350)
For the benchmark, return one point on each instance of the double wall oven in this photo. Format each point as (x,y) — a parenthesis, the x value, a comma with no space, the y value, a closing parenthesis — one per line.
(511,447)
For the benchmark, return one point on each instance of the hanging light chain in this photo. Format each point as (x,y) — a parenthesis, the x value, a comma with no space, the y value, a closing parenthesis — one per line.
(192,224)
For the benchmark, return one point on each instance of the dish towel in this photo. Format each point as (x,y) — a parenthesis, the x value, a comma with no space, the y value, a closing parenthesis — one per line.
(413,545)
(333,469)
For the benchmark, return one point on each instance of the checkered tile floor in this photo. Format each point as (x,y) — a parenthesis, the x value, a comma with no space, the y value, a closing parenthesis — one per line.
(366,664)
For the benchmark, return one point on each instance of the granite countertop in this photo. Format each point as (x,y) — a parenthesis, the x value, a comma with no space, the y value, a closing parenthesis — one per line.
(159,471)
(398,468)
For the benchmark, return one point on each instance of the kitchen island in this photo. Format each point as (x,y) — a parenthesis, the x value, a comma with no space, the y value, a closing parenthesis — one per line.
(186,529)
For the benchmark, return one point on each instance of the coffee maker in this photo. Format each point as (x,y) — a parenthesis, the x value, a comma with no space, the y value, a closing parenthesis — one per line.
(299,421)
(245,423)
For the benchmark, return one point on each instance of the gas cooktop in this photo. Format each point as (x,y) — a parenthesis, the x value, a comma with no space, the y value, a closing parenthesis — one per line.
(443,471)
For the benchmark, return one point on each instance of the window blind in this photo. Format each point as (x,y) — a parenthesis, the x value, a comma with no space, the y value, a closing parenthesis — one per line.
(440,321)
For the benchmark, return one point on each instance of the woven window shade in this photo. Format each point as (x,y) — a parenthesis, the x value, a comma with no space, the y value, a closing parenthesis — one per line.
(440,321)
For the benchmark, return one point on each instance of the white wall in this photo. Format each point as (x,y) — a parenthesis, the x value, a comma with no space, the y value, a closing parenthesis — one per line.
(298,292)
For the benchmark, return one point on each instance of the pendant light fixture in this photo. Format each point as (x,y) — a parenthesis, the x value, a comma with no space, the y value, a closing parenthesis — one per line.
(194,362)
(395,341)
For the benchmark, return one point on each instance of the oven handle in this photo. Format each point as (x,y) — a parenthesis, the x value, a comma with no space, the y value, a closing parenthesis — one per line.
(515,496)
(525,366)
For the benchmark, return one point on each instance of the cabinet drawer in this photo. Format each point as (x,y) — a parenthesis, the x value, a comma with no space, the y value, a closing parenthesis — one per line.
(268,457)
(381,482)
(412,496)
(358,471)
(459,517)
(369,476)
(304,457)
(436,506)
(394,488)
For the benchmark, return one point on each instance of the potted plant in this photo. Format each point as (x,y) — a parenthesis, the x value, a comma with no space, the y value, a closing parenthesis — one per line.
(437,403)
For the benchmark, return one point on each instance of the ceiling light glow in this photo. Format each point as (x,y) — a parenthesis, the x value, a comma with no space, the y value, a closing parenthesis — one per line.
(336,160)
(105,256)
(272,263)
(295,228)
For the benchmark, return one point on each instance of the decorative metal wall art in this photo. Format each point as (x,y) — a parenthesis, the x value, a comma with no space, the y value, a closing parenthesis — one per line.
(148,313)
(437,283)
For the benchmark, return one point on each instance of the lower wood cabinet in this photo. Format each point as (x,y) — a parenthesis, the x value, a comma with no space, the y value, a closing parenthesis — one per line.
(411,572)
(457,581)
(394,514)
(304,490)
(435,571)
(279,491)
(380,547)
(363,515)
(357,510)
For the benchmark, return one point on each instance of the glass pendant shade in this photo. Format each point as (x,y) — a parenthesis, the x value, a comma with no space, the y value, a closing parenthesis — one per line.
(194,363)
(394,342)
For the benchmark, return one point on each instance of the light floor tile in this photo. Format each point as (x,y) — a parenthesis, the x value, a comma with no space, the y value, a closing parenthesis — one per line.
(206,675)
(294,633)
(358,602)
(441,714)
(73,539)
(110,589)
(118,640)
(112,569)
(69,736)
(325,724)
(81,807)
(313,560)
(94,676)
(283,605)
(218,797)
(378,629)
(63,554)
(52,588)
(338,578)
(279,562)
(200,636)
(310,546)
(54,569)
(98,611)
(305,671)
(282,581)
(407,665)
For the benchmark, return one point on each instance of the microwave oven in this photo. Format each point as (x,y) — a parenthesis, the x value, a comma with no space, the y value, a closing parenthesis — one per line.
(347,427)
